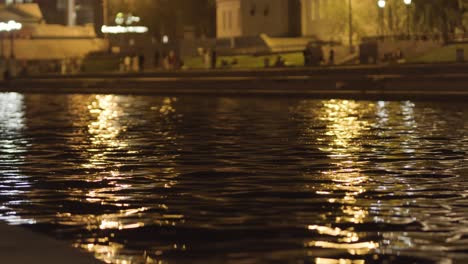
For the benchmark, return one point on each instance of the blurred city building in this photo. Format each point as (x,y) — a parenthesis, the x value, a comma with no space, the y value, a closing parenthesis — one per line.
(237,18)
(39,46)
(67,12)
(323,19)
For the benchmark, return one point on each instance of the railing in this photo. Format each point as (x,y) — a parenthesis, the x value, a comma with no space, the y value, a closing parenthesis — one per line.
(402,37)
(452,38)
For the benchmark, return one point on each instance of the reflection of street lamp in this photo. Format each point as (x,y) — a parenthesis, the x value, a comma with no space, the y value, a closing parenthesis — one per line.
(408,4)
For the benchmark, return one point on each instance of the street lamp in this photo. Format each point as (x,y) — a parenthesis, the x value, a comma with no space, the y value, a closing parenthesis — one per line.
(350,16)
(381,4)
(105,12)
(408,4)
(10,27)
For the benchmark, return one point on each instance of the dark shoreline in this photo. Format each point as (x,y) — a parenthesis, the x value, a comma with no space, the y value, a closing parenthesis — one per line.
(20,245)
(400,82)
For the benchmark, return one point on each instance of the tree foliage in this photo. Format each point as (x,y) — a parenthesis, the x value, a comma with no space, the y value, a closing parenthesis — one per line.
(439,16)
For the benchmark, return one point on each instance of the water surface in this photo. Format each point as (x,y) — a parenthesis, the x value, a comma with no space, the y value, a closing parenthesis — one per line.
(238,180)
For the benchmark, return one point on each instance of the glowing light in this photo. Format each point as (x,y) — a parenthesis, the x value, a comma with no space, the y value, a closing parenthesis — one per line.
(107,121)
(129,19)
(382,3)
(324,230)
(119,19)
(355,246)
(10,26)
(110,224)
(407,2)
(165,39)
(339,261)
(132,19)
(123,29)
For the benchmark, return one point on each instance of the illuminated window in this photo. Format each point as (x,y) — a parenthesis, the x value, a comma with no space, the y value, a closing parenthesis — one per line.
(253,10)
(9,2)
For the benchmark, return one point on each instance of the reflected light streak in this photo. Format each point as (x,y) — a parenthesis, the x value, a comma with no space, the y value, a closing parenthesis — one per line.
(12,147)
(347,236)
(344,129)
(343,126)
(348,246)
(107,118)
(339,261)
(107,127)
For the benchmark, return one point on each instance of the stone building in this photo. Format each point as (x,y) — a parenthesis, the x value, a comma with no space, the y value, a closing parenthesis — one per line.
(322,19)
(329,19)
(246,18)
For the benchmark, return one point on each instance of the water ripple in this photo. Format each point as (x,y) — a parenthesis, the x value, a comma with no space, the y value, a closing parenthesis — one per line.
(238,180)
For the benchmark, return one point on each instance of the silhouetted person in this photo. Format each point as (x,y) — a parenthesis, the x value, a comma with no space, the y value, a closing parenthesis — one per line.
(207,59)
(141,62)
(173,61)
(279,63)
(127,63)
(331,57)
(6,75)
(399,54)
(266,62)
(214,59)
(157,58)
(306,54)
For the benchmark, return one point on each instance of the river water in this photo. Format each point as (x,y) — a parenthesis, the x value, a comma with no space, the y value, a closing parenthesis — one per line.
(152,179)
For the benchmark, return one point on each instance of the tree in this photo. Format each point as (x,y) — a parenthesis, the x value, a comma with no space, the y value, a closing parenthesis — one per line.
(439,16)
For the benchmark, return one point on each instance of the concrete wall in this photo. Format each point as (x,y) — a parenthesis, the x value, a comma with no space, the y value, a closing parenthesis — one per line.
(269,17)
(410,48)
(228,18)
(59,31)
(246,18)
(52,49)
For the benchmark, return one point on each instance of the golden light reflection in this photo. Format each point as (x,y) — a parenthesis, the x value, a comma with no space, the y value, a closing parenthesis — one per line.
(106,127)
(109,253)
(346,236)
(338,261)
(344,129)
(107,119)
(345,126)
(358,248)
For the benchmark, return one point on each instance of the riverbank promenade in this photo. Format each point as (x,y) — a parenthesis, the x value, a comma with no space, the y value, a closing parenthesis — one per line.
(409,81)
